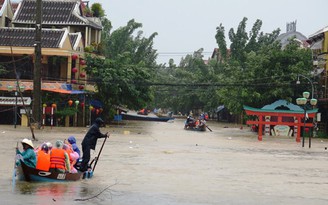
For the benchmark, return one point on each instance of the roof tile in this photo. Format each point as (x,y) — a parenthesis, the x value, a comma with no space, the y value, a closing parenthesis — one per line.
(53,12)
(25,37)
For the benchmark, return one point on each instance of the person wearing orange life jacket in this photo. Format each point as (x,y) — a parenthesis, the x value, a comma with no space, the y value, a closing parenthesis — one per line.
(59,159)
(43,158)
(73,156)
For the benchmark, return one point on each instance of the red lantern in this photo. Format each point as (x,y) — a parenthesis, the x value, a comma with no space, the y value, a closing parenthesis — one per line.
(82,75)
(97,111)
(75,56)
(73,81)
(74,70)
(70,102)
(83,62)
(81,87)
(82,104)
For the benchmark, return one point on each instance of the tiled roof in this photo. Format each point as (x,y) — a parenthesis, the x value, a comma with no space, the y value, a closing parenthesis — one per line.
(14,5)
(318,33)
(25,37)
(73,38)
(1,5)
(94,22)
(54,12)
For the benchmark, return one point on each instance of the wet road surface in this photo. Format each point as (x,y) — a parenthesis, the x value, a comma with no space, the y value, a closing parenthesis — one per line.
(159,163)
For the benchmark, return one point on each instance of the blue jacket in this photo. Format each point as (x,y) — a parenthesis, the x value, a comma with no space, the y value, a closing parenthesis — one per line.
(72,141)
(29,157)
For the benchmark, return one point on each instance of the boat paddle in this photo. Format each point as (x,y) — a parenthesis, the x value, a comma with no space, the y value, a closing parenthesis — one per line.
(208,128)
(14,171)
(97,158)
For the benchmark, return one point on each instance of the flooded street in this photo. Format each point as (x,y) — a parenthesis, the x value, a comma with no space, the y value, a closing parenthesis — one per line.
(148,163)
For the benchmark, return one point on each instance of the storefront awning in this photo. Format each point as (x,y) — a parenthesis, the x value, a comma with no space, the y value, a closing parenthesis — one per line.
(57,87)
(14,101)
(63,91)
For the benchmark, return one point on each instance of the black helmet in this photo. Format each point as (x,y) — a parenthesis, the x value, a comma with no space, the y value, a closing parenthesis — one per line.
(99,121)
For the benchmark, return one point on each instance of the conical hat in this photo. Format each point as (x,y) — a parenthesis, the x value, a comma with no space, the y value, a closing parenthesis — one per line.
(28,142)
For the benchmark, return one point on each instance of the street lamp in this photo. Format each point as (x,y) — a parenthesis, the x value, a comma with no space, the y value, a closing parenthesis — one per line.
(299,82)
(303,102)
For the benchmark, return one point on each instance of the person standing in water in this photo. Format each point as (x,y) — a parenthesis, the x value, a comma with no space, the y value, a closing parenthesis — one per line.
(90,141)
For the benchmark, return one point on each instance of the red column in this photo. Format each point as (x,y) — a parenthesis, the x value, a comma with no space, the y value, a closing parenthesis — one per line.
(260,128)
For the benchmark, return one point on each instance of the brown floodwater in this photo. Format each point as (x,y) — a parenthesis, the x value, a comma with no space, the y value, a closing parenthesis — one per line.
(148,163)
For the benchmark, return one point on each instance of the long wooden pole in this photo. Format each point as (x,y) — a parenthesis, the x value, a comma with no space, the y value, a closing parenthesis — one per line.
(37,66)
(94,167)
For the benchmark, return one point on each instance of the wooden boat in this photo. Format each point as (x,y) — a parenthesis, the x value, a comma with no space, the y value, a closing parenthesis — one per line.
(192,125)
(31,174)
(126,116)
(199,128)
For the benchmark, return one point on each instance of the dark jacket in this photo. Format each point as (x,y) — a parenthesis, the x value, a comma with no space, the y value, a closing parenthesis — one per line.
(92,136)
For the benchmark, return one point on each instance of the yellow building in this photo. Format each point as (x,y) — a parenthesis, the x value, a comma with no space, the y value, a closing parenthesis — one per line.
(66,32)
(319,47)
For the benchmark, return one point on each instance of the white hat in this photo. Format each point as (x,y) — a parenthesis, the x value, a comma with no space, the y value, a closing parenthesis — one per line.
(28,142)
(49,145)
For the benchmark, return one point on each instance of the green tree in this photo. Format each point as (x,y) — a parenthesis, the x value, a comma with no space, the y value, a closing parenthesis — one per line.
(123,77)
(220,39)
(238,41)
(97,10)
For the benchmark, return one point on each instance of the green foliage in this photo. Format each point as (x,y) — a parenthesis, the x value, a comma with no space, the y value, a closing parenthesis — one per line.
(97,10)
(256,72)
(68,111)
(3,70)
(220,39)
(87,11)
(124,76)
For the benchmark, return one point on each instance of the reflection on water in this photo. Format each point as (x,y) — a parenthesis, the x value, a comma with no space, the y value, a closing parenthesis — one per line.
(47,189)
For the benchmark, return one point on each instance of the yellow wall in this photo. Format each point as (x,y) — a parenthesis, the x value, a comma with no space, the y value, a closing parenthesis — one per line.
(325,42)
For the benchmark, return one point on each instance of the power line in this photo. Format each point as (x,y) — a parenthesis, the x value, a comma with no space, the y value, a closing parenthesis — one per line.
(180,53)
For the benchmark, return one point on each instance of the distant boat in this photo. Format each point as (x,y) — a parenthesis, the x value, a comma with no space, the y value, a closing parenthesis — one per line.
(127,116)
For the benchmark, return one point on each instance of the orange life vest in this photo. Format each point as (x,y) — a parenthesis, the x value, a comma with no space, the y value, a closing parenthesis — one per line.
(43,161)
(69,151)
(57,159)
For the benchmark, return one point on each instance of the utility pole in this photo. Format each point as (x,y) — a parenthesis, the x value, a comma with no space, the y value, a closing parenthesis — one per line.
(37,65)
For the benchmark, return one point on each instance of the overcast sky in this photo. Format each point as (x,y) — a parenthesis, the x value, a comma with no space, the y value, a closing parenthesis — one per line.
(184,26)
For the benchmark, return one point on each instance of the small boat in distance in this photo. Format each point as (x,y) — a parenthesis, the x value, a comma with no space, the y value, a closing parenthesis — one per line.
(149,117)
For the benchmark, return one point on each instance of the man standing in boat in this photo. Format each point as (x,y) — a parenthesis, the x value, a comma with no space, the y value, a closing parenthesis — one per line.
(90,141)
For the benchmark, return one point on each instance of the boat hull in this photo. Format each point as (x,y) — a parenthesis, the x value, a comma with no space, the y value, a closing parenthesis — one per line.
(27,173)
(126,116)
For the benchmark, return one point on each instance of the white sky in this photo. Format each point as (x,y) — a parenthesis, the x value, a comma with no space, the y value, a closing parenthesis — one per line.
(184,26)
